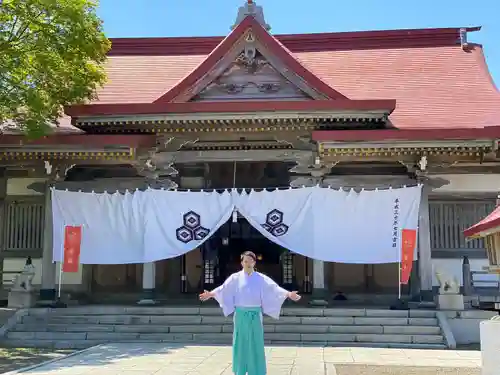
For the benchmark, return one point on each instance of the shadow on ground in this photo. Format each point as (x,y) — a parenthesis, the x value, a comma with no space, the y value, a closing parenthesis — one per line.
(137,357)
(16,358)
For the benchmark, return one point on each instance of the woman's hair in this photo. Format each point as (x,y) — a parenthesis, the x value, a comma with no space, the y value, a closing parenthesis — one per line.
(249,254)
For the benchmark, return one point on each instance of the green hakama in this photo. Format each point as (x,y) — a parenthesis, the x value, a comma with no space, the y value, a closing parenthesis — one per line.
(248,342)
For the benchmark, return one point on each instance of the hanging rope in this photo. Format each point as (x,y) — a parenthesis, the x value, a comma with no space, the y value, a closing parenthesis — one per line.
(235,212)
(234,174)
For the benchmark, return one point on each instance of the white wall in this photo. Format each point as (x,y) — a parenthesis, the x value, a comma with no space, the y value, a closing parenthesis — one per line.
(469,183)
(19,186)
(453,268)
(17,265)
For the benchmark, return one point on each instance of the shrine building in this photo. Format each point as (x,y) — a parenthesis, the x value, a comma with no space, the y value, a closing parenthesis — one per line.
(253,109)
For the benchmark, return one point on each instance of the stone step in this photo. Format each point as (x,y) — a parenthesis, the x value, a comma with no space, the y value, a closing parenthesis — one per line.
(79,327)
(225,337)
(82,344)
(211,311)
(228,328)
(196,319)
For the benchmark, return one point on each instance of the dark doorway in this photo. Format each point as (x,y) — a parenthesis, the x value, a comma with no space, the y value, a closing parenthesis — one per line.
(222,254)
(268,256)
(116,278)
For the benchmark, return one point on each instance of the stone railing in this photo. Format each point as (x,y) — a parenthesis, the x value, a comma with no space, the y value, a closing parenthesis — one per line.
(475,281)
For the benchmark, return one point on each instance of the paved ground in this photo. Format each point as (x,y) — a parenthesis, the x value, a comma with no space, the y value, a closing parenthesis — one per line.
(164,359)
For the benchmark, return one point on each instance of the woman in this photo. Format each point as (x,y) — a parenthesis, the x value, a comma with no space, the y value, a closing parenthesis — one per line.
(249,294)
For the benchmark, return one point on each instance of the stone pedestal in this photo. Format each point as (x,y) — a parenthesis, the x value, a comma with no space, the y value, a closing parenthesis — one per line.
(319,298)
(490,345)
(147,297)
(451,302)
(20,299)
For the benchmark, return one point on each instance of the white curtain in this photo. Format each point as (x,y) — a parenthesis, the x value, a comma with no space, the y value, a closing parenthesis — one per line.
(335,226)
(139,227)
(282,216)
(320,223)
(112,230)
(177,222)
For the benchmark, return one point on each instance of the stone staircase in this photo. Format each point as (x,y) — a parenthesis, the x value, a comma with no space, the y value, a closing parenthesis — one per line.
(80,327)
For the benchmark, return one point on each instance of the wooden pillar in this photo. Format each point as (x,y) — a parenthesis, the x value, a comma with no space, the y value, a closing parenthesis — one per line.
(424,247)
(48,288)
(319,290)
(148,283)
(3,195)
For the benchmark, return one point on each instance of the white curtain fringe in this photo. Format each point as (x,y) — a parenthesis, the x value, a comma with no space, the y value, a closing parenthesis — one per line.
(202,190)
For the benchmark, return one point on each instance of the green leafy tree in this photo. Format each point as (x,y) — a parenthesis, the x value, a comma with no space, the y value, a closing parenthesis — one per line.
(51,55)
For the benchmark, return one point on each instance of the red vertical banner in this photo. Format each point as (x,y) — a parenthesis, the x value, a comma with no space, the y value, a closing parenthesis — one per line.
(408,244)
(72,244)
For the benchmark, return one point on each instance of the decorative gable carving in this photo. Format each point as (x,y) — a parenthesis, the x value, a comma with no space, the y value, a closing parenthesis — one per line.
(249,64)
(250,76)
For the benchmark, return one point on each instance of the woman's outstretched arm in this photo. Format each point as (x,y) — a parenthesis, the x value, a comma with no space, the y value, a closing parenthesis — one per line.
(224,295)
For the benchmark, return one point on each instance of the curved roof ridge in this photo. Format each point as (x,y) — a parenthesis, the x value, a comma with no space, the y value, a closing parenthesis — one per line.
(481,59)
(402,38)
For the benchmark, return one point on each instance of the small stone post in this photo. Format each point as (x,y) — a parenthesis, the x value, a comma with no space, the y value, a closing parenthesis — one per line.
(468,288)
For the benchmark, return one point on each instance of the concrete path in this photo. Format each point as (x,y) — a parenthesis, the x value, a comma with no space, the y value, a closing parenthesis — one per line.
(164,359)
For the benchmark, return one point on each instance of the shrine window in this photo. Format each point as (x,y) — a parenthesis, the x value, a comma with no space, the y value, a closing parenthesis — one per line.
(23,224)
(448,220)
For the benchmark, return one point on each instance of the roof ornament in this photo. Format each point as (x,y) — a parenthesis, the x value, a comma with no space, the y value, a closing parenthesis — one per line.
(251,9)
(463,39)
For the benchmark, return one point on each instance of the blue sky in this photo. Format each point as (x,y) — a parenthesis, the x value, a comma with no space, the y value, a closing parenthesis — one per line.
(153,18)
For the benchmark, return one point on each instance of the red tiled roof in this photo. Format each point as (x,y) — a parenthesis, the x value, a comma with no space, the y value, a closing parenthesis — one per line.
(436,85)
(380,135)
(489,224)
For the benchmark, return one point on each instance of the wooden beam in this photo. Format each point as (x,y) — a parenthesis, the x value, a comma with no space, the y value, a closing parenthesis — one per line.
(219,156)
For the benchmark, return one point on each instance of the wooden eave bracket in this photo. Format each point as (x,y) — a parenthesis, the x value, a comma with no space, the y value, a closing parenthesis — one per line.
(78,154)
(444,145)
(234,119)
